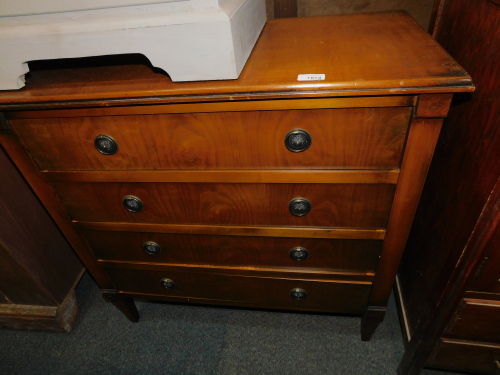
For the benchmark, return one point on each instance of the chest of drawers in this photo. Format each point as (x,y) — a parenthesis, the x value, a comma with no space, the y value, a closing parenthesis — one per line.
(266,191)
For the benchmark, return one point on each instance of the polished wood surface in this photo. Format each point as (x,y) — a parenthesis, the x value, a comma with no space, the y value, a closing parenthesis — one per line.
(89,110)
(381,55)
(421,142)
(45,194)
(239,230)
(341,138)
(354,206)
(477,320)
(359,256)
(208,161)
(480,358)
(275,176)
(250,290)
(452,250)
(38,268)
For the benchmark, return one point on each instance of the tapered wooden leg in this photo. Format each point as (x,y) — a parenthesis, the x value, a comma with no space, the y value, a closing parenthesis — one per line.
(125,304)
(370,321)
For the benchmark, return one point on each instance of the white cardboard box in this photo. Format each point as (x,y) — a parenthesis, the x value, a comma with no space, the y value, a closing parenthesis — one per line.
(191,40)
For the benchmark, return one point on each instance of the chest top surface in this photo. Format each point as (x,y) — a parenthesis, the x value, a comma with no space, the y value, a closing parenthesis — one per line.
(365,54)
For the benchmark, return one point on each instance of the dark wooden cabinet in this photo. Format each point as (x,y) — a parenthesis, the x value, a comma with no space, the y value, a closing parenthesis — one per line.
(268,191)
(38,268)
(449,279)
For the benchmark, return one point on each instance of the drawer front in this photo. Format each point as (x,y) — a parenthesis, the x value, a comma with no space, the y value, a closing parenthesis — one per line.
(315,254)
(477,320)
(466,356)
(340,205)
(340,138)
(245,290)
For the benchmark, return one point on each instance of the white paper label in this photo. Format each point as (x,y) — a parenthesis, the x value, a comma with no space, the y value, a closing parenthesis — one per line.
(311,77)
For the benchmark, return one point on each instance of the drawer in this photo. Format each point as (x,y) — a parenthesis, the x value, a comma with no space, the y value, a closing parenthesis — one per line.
(332,205)
(262,292)
(466,356)
(477,320)
(340,138)
(233,251)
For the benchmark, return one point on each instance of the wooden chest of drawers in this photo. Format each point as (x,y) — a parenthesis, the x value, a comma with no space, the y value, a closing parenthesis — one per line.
(266,191)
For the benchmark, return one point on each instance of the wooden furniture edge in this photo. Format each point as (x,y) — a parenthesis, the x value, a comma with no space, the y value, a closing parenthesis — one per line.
(428,331)
(49,200)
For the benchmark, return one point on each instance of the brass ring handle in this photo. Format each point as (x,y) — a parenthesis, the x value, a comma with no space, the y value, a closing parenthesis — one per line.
(132,203)
(105,144)
(151,248)
(298,140)
(299,207)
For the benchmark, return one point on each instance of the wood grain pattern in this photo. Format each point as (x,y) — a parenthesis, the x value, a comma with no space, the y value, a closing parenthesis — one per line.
(38,265)
(331,255)
(319,176)
(267,293)
(418,155)
(38,268)
(447,244)
(52,204)
(432,106)
(235,105)
(477,320)
(465,356)
(208,162)
(341,138)
(381,55)
(354,206)
(486,279)
(261,272)
(59,318)
(233,230)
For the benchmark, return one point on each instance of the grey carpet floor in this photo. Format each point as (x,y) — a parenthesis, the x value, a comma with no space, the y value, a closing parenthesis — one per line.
(181,339)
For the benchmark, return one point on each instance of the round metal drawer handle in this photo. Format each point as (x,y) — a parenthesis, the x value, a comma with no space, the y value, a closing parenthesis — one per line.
(299,253)
(167,283)
(132,203)
(298,140)
(299,207)
(298,294)
(105,144)
(151,248)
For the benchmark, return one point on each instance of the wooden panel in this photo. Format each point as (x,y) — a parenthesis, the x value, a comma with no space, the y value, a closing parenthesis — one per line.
(421,142)
(382,54)
(341,138)
(333,255)
(38,267)
(420,10)
(89,110)
(285,8)
(432,106)
(445,246)
(60,318)
(476,320)
(466,356)
(52,204)
(363,206)
(252,231)
(240,176)
(487,278)
(466,164)
(264,292)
